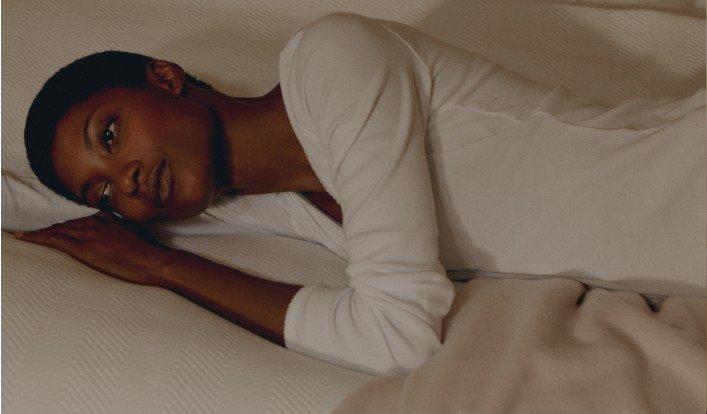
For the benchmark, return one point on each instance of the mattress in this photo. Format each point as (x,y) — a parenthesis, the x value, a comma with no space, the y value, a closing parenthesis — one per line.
(77,341)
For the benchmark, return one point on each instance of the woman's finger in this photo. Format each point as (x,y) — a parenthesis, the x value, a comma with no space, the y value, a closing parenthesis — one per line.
(104,216)
(58,228)
(83,222)
(78,233)
(53,239)
(139,229)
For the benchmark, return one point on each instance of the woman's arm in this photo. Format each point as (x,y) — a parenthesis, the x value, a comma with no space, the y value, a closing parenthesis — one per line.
(358,100)
(256,304)
(107,244)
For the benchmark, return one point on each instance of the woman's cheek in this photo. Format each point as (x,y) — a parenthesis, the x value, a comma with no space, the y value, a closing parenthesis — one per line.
(193,185)
(137,211)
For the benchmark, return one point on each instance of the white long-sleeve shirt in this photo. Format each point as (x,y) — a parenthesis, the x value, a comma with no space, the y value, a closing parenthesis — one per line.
(442,160)
(406,132)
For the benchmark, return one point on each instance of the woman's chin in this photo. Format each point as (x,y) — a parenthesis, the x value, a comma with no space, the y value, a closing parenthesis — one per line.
(182,211)
(182,205)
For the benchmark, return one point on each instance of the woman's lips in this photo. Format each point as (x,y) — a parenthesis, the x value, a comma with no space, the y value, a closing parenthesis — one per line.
(161,183)
(164,183)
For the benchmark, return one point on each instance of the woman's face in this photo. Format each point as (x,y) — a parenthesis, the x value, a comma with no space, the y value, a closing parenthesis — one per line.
(151,153)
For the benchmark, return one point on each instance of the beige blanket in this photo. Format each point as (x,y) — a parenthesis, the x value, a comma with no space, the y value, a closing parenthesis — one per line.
(551,346)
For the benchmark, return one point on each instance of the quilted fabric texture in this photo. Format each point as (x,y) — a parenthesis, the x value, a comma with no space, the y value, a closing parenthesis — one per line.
(75,341)
(600,53)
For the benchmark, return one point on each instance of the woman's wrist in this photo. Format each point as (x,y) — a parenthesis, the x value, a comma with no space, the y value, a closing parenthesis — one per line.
(160,265)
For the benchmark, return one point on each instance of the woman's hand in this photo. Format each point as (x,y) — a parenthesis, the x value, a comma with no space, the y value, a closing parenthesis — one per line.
(108,244)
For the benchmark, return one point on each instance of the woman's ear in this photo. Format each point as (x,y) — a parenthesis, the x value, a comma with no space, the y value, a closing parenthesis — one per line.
(165,76)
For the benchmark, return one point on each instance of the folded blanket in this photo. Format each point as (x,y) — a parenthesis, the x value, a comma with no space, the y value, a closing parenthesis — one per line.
(552,346)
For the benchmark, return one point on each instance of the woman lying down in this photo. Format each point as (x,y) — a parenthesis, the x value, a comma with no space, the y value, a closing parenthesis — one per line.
(371,121)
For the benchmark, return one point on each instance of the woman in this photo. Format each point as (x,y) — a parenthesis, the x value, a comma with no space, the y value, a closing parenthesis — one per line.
(371,121)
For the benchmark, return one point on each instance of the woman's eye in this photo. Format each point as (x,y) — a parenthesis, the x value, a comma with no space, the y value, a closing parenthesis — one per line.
(108,135)
(104,198)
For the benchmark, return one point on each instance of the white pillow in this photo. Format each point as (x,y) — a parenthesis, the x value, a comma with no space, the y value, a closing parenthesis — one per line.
(28,205)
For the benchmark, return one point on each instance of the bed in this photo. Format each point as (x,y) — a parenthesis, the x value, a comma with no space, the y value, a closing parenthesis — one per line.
(74,340)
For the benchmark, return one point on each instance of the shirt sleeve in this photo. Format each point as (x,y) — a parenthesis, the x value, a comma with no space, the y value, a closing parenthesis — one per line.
(364,93)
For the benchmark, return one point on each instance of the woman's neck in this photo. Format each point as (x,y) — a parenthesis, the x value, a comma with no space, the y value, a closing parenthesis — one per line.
(261,151)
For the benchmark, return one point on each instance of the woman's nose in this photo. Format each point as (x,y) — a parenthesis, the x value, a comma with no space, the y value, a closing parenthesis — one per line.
(131,179)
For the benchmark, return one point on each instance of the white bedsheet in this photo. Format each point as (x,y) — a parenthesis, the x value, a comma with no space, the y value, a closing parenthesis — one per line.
(551,346)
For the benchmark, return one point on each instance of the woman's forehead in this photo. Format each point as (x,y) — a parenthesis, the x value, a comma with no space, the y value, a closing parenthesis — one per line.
(74,123)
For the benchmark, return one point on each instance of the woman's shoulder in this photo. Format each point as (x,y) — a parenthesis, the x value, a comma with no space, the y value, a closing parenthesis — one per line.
(327,65)
(341,25)
(338,36)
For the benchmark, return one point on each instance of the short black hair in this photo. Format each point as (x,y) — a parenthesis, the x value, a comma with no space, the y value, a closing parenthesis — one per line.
(72,84)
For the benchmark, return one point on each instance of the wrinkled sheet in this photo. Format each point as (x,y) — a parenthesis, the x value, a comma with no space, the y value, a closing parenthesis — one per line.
(552,346)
